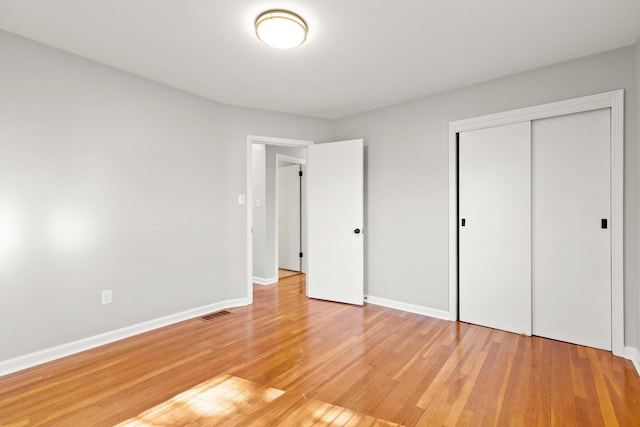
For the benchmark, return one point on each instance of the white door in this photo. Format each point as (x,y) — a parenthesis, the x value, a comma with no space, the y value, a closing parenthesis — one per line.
(288,211)
(572,254)
(335,222)
(495,239)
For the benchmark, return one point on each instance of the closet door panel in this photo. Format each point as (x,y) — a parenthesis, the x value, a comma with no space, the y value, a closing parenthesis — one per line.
(571,249)
(495,241)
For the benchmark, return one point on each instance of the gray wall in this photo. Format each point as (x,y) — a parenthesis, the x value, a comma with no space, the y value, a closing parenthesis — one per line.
(110,181)
(407,181)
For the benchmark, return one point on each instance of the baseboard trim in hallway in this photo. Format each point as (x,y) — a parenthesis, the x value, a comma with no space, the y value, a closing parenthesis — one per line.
(264,281)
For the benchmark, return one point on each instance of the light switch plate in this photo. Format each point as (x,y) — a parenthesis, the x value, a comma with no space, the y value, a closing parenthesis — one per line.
(107,296)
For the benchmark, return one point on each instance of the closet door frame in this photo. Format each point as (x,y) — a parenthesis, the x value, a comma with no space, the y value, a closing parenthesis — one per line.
(613,100)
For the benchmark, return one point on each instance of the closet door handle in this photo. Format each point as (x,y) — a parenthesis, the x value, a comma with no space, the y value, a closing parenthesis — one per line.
(603,223)
(463,222)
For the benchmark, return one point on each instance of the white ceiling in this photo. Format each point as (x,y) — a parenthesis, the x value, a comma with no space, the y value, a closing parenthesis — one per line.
(360,54)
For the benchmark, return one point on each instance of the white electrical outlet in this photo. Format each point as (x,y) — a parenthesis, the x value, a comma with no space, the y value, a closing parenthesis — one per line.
(107,296)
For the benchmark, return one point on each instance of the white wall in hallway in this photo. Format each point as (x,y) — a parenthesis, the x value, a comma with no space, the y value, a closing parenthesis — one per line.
(259,175)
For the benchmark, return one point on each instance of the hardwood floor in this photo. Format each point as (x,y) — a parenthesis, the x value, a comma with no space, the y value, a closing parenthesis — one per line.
(288,360)
(282,273)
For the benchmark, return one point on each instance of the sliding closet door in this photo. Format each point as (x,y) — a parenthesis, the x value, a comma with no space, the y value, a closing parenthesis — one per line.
(572,253)
(495,227)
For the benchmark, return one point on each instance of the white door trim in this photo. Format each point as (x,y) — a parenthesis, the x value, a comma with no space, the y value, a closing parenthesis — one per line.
(613,100)
(267,140)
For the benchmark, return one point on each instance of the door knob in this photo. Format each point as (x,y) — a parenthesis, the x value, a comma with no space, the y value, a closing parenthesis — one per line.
(357,231)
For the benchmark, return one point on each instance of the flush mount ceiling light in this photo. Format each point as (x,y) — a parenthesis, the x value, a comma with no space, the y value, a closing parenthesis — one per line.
(281,29)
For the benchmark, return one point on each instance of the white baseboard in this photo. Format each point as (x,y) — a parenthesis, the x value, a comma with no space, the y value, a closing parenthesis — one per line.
(263,281)
(411,308)
(633,354)
(43,356)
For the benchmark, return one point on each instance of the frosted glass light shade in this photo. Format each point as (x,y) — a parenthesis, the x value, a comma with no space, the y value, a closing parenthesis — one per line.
(281,29)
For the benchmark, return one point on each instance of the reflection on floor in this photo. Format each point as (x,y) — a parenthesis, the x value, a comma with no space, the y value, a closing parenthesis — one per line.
(282,273)
(229,400)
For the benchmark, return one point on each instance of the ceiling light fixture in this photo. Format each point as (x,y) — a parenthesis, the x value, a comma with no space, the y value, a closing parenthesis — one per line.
(281,29)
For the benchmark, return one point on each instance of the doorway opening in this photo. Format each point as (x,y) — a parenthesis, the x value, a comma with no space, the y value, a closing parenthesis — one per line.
(334,201)
(263,156)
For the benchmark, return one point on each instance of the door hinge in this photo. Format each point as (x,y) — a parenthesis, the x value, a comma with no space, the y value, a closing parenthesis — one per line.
(301,255)
(299,173)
